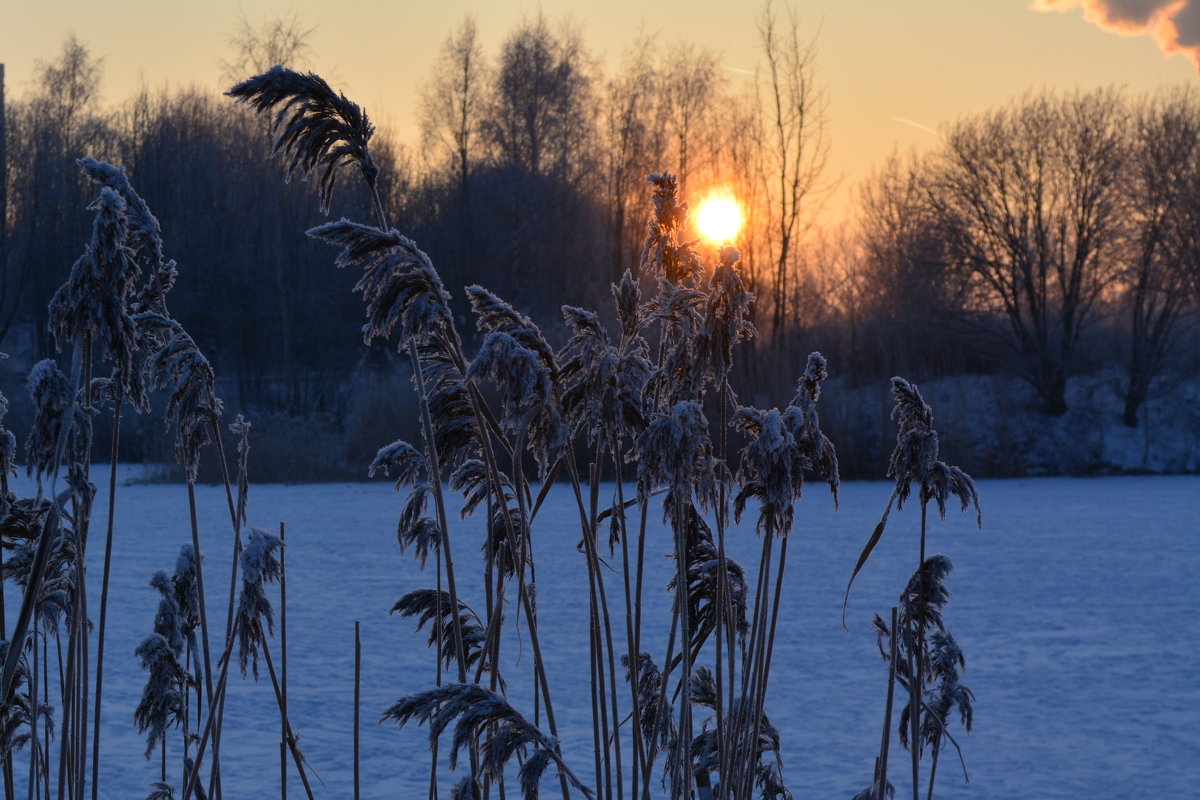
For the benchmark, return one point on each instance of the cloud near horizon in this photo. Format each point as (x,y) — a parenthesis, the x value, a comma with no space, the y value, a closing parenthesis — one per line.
(1173,24)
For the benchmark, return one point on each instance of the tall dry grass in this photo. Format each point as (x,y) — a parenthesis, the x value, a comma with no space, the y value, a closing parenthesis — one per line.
(638,418)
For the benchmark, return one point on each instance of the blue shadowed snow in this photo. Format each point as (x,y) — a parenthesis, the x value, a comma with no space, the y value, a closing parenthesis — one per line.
(1075,607)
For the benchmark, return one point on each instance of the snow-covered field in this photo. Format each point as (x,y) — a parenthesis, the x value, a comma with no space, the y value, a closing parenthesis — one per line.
(1076,607)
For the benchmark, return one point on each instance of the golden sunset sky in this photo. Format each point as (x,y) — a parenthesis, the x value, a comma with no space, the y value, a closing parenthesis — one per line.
(893,70)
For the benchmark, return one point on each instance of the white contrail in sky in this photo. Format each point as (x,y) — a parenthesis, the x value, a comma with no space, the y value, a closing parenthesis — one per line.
(918,126)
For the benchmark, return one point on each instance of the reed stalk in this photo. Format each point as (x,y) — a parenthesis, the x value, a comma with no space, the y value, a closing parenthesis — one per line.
(918,682)
(283,660)
(357,700)
(209,695)
(108,546)
(884,745)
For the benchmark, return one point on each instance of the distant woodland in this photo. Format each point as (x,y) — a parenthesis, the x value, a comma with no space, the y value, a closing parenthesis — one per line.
(1041,243)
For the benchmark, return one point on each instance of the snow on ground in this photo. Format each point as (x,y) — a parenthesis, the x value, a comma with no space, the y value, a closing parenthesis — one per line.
(1075,607)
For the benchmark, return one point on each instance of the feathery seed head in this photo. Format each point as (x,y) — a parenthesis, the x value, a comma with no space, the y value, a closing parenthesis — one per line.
(193,405)
(51,396)
(675,449)
(399,284)
(93,303)
(477,709)
(144,234)
(260,565)
(916,440)
(726,317)
(525,378)
(166,620)
(628,298)
(318,128)
(662,254)
(240,427)
(915,458)
(407,461)
(162,698)
(602,385)
(428,605)
(187,594)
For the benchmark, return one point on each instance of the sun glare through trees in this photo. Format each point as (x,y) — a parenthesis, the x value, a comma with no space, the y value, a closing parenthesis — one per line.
(719,217)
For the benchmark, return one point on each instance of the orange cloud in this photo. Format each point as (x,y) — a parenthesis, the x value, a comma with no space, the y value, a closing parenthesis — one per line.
(1173,24)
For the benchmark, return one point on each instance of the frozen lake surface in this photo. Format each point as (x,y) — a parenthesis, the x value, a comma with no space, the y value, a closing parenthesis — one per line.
(1076,608)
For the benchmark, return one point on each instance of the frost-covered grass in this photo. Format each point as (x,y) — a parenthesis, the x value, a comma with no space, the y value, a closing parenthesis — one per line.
(530,604)
(1075,607)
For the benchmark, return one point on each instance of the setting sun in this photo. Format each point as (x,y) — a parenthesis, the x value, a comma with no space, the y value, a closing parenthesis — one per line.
(719,217)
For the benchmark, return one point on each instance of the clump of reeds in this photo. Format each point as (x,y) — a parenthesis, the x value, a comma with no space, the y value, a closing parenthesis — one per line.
(656,392)
(113,308)
(923,656)
(648,404)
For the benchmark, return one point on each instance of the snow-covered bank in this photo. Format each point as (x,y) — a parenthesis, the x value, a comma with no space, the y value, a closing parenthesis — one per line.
(992,426)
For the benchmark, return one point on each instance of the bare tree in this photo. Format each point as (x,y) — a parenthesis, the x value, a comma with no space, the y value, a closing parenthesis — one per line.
(68,86)
(539,118)
(256,48)
(1185,240)
(55,125)
(796,144)
(452,101)
(691,85)
(904,292)
(1030,197)
(6,309)
(633,125)
(1164,171)
(744,166)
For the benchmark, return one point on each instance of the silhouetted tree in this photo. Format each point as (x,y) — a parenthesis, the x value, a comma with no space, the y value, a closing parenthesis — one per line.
(690,87)
(796,148)
(452,102)
(280,40)
(1029,197)
(633,124)
(905,294)
(55,125)
(539,118)
(1163,182)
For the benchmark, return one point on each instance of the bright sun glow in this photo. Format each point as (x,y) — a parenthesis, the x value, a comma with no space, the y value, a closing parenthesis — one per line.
(719,217)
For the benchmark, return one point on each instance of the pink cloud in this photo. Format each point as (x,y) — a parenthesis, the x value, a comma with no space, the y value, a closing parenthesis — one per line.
(1173,24)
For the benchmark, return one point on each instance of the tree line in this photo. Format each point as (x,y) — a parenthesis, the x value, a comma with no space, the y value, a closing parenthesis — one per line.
(1050,237)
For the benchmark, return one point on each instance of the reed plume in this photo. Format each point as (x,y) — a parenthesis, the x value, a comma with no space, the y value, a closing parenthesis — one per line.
(399,284)
(477,709)
(317,127)
(915,460)
(162,698)
(240,427)
(161,791)
(603,385)
(93,304)
(662,253)
(21,714)
(657,717)
(143,232)
(51,395)
(518,359)
(430,605)
(260,566)
(193,406)
(8,454)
